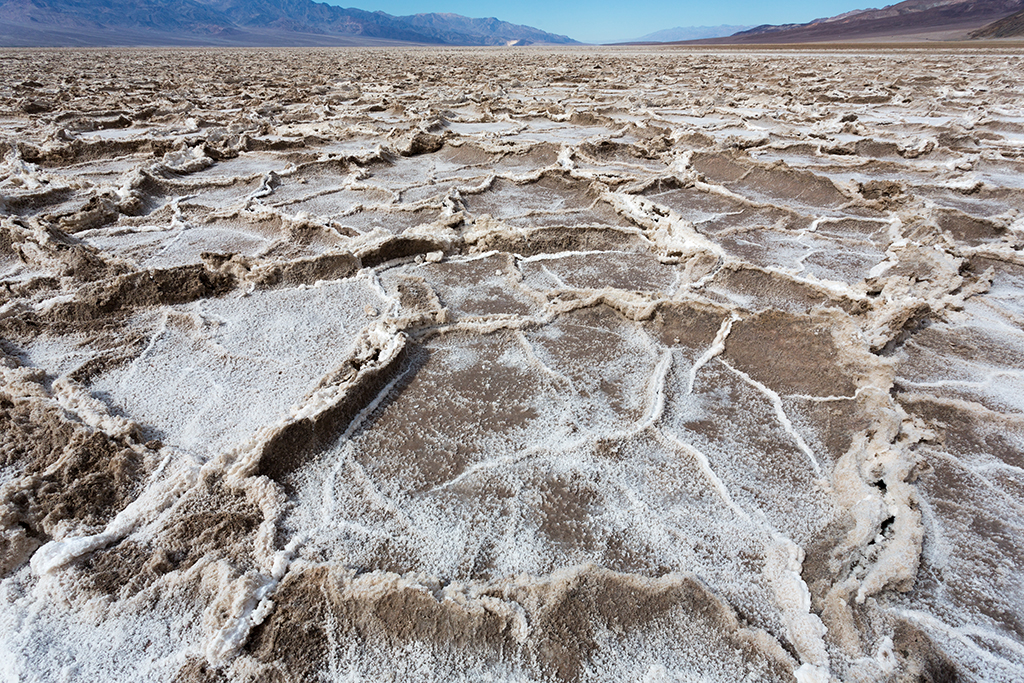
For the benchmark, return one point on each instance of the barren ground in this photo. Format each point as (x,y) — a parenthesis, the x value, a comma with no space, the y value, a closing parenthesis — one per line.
(515,365)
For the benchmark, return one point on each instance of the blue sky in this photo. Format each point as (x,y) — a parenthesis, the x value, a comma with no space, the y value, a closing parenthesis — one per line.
(603,20)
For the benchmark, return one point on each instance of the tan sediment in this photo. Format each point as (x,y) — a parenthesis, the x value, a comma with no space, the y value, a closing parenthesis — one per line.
(543,627)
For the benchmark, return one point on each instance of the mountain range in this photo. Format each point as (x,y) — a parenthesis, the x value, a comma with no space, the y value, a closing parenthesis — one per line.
(243,22)
(84,23)
(909,20)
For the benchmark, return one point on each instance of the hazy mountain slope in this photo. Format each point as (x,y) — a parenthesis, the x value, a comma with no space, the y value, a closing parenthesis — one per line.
(909,18)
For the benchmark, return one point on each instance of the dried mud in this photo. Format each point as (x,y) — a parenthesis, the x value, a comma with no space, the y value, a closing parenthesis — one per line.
(532,365)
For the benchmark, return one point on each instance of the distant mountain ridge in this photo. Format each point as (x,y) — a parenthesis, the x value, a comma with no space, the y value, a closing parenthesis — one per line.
(905,19)
(243,22)
(689,33)
(444,25)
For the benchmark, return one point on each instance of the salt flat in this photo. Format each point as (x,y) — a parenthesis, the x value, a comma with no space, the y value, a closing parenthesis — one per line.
(512,365)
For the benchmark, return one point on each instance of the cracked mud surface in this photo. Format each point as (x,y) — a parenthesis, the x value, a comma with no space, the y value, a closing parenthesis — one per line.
(511,365)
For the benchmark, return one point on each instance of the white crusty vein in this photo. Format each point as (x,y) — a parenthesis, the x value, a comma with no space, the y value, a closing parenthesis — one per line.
(780,413)
(716,348)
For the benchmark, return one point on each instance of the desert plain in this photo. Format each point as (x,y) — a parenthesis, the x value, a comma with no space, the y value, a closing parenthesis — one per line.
(512,365)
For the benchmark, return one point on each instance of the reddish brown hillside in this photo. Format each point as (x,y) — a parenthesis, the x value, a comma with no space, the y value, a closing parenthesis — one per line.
(905,19)
(1010,27)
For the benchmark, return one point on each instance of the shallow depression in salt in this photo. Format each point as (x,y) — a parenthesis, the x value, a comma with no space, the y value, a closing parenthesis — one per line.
(211,359)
